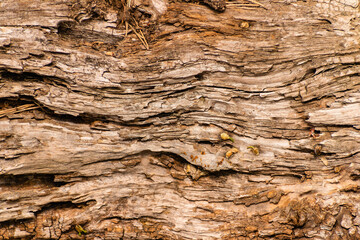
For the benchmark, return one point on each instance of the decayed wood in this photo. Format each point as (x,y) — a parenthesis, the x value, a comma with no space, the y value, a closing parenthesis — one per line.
(101,134)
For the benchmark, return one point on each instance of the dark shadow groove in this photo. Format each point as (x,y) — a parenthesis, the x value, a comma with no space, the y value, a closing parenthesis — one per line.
(65,204)
(29,180)
(33,77)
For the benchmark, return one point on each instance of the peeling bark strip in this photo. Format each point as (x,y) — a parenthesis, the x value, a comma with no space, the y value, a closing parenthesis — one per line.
(242,124)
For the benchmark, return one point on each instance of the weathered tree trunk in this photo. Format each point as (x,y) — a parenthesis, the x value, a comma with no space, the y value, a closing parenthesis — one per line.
(99,133)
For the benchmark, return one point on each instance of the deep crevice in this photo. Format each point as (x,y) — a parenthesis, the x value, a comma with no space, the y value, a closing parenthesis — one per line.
(29,180)
(64,204)
(22,99)
(33,77)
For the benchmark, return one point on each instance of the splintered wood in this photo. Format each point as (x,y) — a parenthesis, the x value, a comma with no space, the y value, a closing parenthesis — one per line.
(206,123)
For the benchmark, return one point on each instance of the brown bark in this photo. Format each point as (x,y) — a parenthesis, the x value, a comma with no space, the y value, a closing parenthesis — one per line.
(98,132)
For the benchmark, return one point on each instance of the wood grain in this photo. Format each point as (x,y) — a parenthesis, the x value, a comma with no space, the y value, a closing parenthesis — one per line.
(125,141)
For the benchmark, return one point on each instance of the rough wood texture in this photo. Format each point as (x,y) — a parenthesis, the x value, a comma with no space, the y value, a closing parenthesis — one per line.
(99,132)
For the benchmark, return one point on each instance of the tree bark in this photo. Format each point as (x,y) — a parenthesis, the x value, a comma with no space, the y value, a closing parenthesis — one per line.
(115,118)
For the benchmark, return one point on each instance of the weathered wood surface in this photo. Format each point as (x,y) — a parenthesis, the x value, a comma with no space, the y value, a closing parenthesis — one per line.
(126,142)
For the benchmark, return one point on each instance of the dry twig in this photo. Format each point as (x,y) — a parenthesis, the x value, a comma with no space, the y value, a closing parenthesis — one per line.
(247,5)
(23,108)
